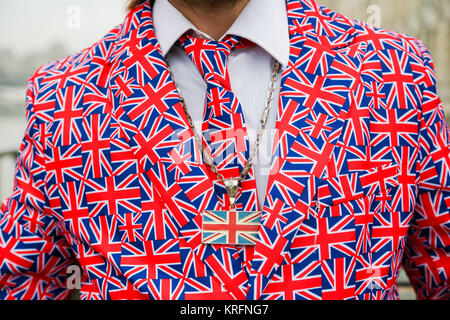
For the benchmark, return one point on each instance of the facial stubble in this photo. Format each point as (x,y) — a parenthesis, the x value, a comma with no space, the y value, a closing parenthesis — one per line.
(208,4)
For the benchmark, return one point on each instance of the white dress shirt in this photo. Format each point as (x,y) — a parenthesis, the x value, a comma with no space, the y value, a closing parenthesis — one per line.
(264,22)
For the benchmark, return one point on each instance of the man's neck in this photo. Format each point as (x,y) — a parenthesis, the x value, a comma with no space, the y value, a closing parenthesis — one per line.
(213,17)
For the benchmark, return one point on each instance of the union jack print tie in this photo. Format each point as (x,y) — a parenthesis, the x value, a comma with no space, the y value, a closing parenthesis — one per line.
(224,131)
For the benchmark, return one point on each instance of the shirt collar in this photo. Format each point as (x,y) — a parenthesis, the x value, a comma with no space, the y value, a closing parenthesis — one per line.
(264,22)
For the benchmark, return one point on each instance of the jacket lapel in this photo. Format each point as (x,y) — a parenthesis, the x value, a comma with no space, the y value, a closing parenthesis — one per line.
(148,109)
(315,97)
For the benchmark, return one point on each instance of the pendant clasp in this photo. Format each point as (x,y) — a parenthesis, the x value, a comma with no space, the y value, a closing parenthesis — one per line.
(232,186)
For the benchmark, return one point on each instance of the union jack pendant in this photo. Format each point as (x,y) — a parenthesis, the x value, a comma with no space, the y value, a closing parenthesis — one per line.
(231,227)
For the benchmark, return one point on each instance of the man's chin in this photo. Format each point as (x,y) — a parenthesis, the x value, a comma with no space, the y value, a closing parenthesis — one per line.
(207,3)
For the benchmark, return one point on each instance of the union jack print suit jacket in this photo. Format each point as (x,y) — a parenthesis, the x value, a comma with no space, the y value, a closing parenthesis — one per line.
(109,177)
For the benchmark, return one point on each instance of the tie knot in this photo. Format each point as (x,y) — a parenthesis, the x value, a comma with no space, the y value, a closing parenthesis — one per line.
(210,56)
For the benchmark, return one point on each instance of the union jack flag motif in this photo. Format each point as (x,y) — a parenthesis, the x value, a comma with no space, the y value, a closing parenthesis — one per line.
(231,227)
(110,177)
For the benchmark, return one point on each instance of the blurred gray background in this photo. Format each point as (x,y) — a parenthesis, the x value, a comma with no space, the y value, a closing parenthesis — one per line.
(34,32)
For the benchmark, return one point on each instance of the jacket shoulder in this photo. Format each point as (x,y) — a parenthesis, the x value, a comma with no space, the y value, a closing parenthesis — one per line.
(74,70)
(381,39)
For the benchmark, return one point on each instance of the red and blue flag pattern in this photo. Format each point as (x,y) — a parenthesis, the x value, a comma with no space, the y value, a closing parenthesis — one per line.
(109,175)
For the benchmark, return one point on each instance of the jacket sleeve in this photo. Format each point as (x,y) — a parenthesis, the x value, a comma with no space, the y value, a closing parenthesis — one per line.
(427,254)
(34,255)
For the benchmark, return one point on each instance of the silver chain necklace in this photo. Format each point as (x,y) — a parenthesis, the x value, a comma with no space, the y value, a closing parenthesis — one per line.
(232,185)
